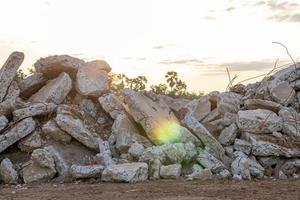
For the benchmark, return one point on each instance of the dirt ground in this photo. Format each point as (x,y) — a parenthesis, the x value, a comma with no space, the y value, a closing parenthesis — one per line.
(163,190)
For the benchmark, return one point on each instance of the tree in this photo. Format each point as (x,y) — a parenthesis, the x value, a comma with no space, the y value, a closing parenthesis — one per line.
(159,89)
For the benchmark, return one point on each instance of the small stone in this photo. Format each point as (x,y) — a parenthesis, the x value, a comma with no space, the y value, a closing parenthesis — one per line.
(7,172)
(277,134)
(282,176)
(55,91)
(127,172)
(198,173)
(35,173)
(170,171)
(229,150)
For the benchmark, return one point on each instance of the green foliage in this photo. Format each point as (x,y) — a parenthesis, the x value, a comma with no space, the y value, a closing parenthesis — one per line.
(175,87)
(121,81)
(22,75)
(159,89)
(137,84)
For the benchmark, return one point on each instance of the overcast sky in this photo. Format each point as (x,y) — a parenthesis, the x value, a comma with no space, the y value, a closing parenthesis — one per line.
(198,39)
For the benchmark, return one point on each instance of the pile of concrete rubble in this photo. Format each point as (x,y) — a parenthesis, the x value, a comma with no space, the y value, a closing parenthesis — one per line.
(63,123)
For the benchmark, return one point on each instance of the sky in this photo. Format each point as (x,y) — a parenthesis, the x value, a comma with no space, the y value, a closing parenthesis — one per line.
(196,38)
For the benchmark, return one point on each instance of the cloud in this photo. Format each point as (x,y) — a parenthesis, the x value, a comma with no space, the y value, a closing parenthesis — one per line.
(282,11)
(229,9)
(158,47)
(191,62)
(209,18)
(289,18)
(248,66)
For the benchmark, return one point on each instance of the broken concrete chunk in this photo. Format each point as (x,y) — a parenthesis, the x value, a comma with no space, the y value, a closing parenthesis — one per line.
(269,145)
(3,122)
(13,92)
(52,66)
(31,84)
(91,81)
(240,168)
(136,150)
(127,172)
(175,153)
(291,125)
(210,162)
(126,133)
(170,171)
(228,135)
(112,105)
(55,91)
(198,173)
(160,125)
(199,108)
(52,130)
(7,172)
(259,121)
(77,130)
(89,171)
(61,166)
(9,71)
(282,93)
(242,145)
(31,142)
(35,173)
(211,144)
(35,109)
(43,158)
(252,104)
(17,132)
(229,118)
(100,64)
(229,102)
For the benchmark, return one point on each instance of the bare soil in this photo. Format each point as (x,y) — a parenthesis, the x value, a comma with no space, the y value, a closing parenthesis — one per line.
(162,189)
